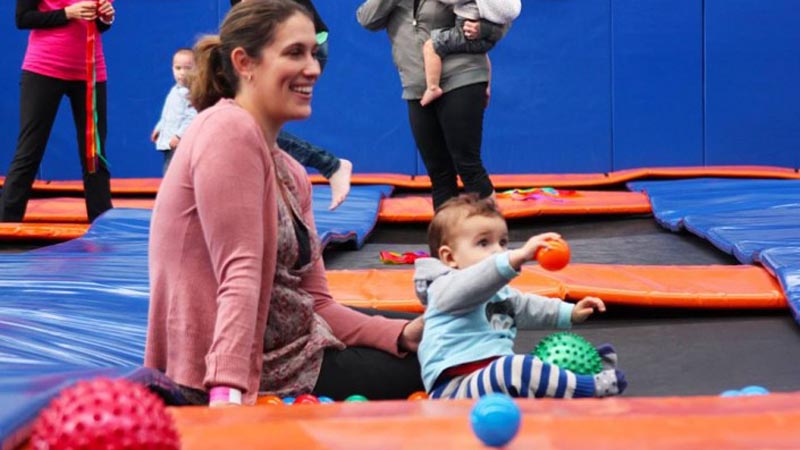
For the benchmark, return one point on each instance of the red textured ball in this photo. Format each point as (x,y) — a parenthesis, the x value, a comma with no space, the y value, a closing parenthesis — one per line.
(105,414)
(554,255)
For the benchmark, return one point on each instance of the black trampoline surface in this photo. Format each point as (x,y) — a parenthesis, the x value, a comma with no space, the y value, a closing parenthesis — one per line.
(663,352)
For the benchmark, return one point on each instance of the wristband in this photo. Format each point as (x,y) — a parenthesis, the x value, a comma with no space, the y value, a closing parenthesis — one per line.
(224,394)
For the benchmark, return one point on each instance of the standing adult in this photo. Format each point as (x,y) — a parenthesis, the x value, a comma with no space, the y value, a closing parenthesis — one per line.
(239,298)
(448,132)
(54,66)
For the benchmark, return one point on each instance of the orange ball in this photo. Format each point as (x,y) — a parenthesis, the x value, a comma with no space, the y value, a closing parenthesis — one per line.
(269,400)
(419,395)
(554,255)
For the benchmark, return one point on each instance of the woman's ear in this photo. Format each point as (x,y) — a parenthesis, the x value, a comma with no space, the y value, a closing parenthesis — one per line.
(446,256)
(243,64)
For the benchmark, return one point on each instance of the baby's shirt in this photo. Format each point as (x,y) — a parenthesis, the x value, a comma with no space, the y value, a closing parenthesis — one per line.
(496,11)
(176,116)
(472,314)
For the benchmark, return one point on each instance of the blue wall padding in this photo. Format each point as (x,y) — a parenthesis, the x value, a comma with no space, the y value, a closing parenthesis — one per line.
(579,86)
(752,92)
(784,263)
(657,58)
(354,219)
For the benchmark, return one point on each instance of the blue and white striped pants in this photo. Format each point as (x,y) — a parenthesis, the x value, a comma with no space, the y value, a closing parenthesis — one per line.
(517,376)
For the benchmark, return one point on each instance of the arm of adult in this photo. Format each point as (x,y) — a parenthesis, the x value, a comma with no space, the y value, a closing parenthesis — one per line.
(374,14)
(352,327)
(29,17)
(232,181)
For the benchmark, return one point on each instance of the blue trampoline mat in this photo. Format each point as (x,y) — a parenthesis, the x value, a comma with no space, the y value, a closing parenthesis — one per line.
(754,220)
(78,309)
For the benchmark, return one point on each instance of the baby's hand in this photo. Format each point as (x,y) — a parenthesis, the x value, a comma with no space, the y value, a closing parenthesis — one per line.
(526,252)
(585,307)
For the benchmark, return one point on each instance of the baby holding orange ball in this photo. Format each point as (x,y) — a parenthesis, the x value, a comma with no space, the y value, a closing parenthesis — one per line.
(472,315)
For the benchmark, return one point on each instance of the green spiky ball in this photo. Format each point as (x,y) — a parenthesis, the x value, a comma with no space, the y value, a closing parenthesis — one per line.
(569,351)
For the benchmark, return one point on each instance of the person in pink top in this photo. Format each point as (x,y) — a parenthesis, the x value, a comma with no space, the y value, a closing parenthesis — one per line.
(239,299)
(54,66)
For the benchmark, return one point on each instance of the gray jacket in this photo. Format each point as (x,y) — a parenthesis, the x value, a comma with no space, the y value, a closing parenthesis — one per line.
(407,34)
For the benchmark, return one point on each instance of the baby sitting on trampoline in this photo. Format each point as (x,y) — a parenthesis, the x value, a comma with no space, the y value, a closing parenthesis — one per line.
(471,314)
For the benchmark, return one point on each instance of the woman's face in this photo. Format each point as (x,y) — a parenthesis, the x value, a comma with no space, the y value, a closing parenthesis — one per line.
(284,79)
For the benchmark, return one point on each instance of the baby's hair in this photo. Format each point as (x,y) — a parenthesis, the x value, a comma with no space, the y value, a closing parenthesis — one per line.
(453,211)
(183,50)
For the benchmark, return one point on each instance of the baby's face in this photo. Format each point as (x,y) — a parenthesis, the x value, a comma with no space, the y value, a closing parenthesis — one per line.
(182,66)
(477,238)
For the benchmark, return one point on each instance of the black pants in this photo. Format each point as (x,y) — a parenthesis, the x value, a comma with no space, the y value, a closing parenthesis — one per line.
(372,373)
(448,134)
(39,99)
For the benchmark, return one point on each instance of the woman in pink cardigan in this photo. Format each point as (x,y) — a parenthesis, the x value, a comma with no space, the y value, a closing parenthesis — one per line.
(240,303)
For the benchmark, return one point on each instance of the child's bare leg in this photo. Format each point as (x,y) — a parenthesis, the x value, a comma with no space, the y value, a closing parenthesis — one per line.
(433,73)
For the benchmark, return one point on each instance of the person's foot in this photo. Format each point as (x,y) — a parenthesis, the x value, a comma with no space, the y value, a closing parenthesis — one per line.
(340,183)
(609,382)
(608,356)
(431,94)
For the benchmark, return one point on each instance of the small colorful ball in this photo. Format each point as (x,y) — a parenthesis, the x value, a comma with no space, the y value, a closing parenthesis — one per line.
(306,399)
(754,390)
(325,400)
(288,400)
(495,419)
(107,414)
(270,400)
(356,398)
(554,255)
(569,351)
(419,395)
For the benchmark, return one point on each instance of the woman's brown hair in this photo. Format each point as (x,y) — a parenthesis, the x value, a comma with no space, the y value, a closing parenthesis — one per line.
(250,25)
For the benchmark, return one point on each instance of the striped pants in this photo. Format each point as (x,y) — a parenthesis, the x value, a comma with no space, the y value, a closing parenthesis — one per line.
(517,376)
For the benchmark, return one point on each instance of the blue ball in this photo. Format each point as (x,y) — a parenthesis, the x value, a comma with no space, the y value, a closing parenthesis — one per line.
(495,419)
(754,390)
(288,400)
(730,393)
(323,399)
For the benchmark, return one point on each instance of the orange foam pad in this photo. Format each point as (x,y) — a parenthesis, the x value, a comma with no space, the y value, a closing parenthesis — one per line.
(41,231)
(584,180)
(710,287)
(67,209)
(149,186)
(614,423)
(417,208)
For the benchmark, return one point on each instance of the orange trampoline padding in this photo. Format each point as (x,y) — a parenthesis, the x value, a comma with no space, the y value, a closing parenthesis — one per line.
(149,186)
(418,208)
(584,180)
(68,209)
(708,287)
(686,423)
(41,231)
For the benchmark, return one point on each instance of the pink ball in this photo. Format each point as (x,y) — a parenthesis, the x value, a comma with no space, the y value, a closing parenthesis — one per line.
(105,414)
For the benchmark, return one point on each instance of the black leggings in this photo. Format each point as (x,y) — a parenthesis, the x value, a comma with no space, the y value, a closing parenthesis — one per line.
(372,373)
(39,99)
(448,133)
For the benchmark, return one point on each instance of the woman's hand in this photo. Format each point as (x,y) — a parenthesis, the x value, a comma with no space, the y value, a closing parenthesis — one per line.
(411,336)
(472,29)
(85,10)
(105,10)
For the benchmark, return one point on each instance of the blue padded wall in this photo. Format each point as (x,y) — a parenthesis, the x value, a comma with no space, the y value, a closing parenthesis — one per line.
(579,86)
(752,90)
(657,88)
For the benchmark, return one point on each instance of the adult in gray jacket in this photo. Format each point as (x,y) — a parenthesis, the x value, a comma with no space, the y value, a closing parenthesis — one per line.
(448,132)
